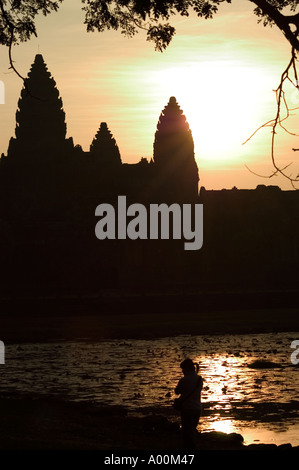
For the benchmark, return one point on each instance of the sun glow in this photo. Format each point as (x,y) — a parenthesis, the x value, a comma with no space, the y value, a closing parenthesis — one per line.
(223,102)
(224,425)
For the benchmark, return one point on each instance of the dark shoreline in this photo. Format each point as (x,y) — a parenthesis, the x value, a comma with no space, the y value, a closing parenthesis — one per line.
(141,316)
(37,423)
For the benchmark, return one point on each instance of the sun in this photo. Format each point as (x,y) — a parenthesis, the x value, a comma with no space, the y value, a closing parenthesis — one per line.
(223,101)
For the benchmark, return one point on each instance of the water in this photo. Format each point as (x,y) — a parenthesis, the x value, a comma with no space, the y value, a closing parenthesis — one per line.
(261,404)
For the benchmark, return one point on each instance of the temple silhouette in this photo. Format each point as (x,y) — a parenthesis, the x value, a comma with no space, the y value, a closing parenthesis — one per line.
(49,190)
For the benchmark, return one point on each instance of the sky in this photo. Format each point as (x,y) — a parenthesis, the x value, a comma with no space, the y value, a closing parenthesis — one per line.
(222,72)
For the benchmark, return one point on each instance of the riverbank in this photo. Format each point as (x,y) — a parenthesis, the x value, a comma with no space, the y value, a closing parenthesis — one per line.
(146,316)
(34,423)
(47,424)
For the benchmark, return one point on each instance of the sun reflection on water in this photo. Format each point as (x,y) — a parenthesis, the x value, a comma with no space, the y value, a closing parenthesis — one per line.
(226,426)
(224,378)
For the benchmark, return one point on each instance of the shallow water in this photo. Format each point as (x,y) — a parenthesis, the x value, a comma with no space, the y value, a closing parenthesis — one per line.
(261,404)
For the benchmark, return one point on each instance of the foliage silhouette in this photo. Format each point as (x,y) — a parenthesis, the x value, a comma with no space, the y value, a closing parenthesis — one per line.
(17,19)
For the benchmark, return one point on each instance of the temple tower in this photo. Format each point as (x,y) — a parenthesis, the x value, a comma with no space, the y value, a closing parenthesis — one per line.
(103,149)
(174,155)
(40,119)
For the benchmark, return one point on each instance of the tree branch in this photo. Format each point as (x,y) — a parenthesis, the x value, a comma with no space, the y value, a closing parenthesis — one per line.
(277,121)
(282,21)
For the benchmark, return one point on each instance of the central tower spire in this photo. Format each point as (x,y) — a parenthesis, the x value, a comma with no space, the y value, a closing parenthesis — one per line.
(174,154)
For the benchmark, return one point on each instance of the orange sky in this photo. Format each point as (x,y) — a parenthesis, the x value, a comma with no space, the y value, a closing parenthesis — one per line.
(222,72)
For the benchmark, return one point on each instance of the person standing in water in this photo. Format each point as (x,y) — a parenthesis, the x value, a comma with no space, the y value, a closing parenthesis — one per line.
(190,387)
